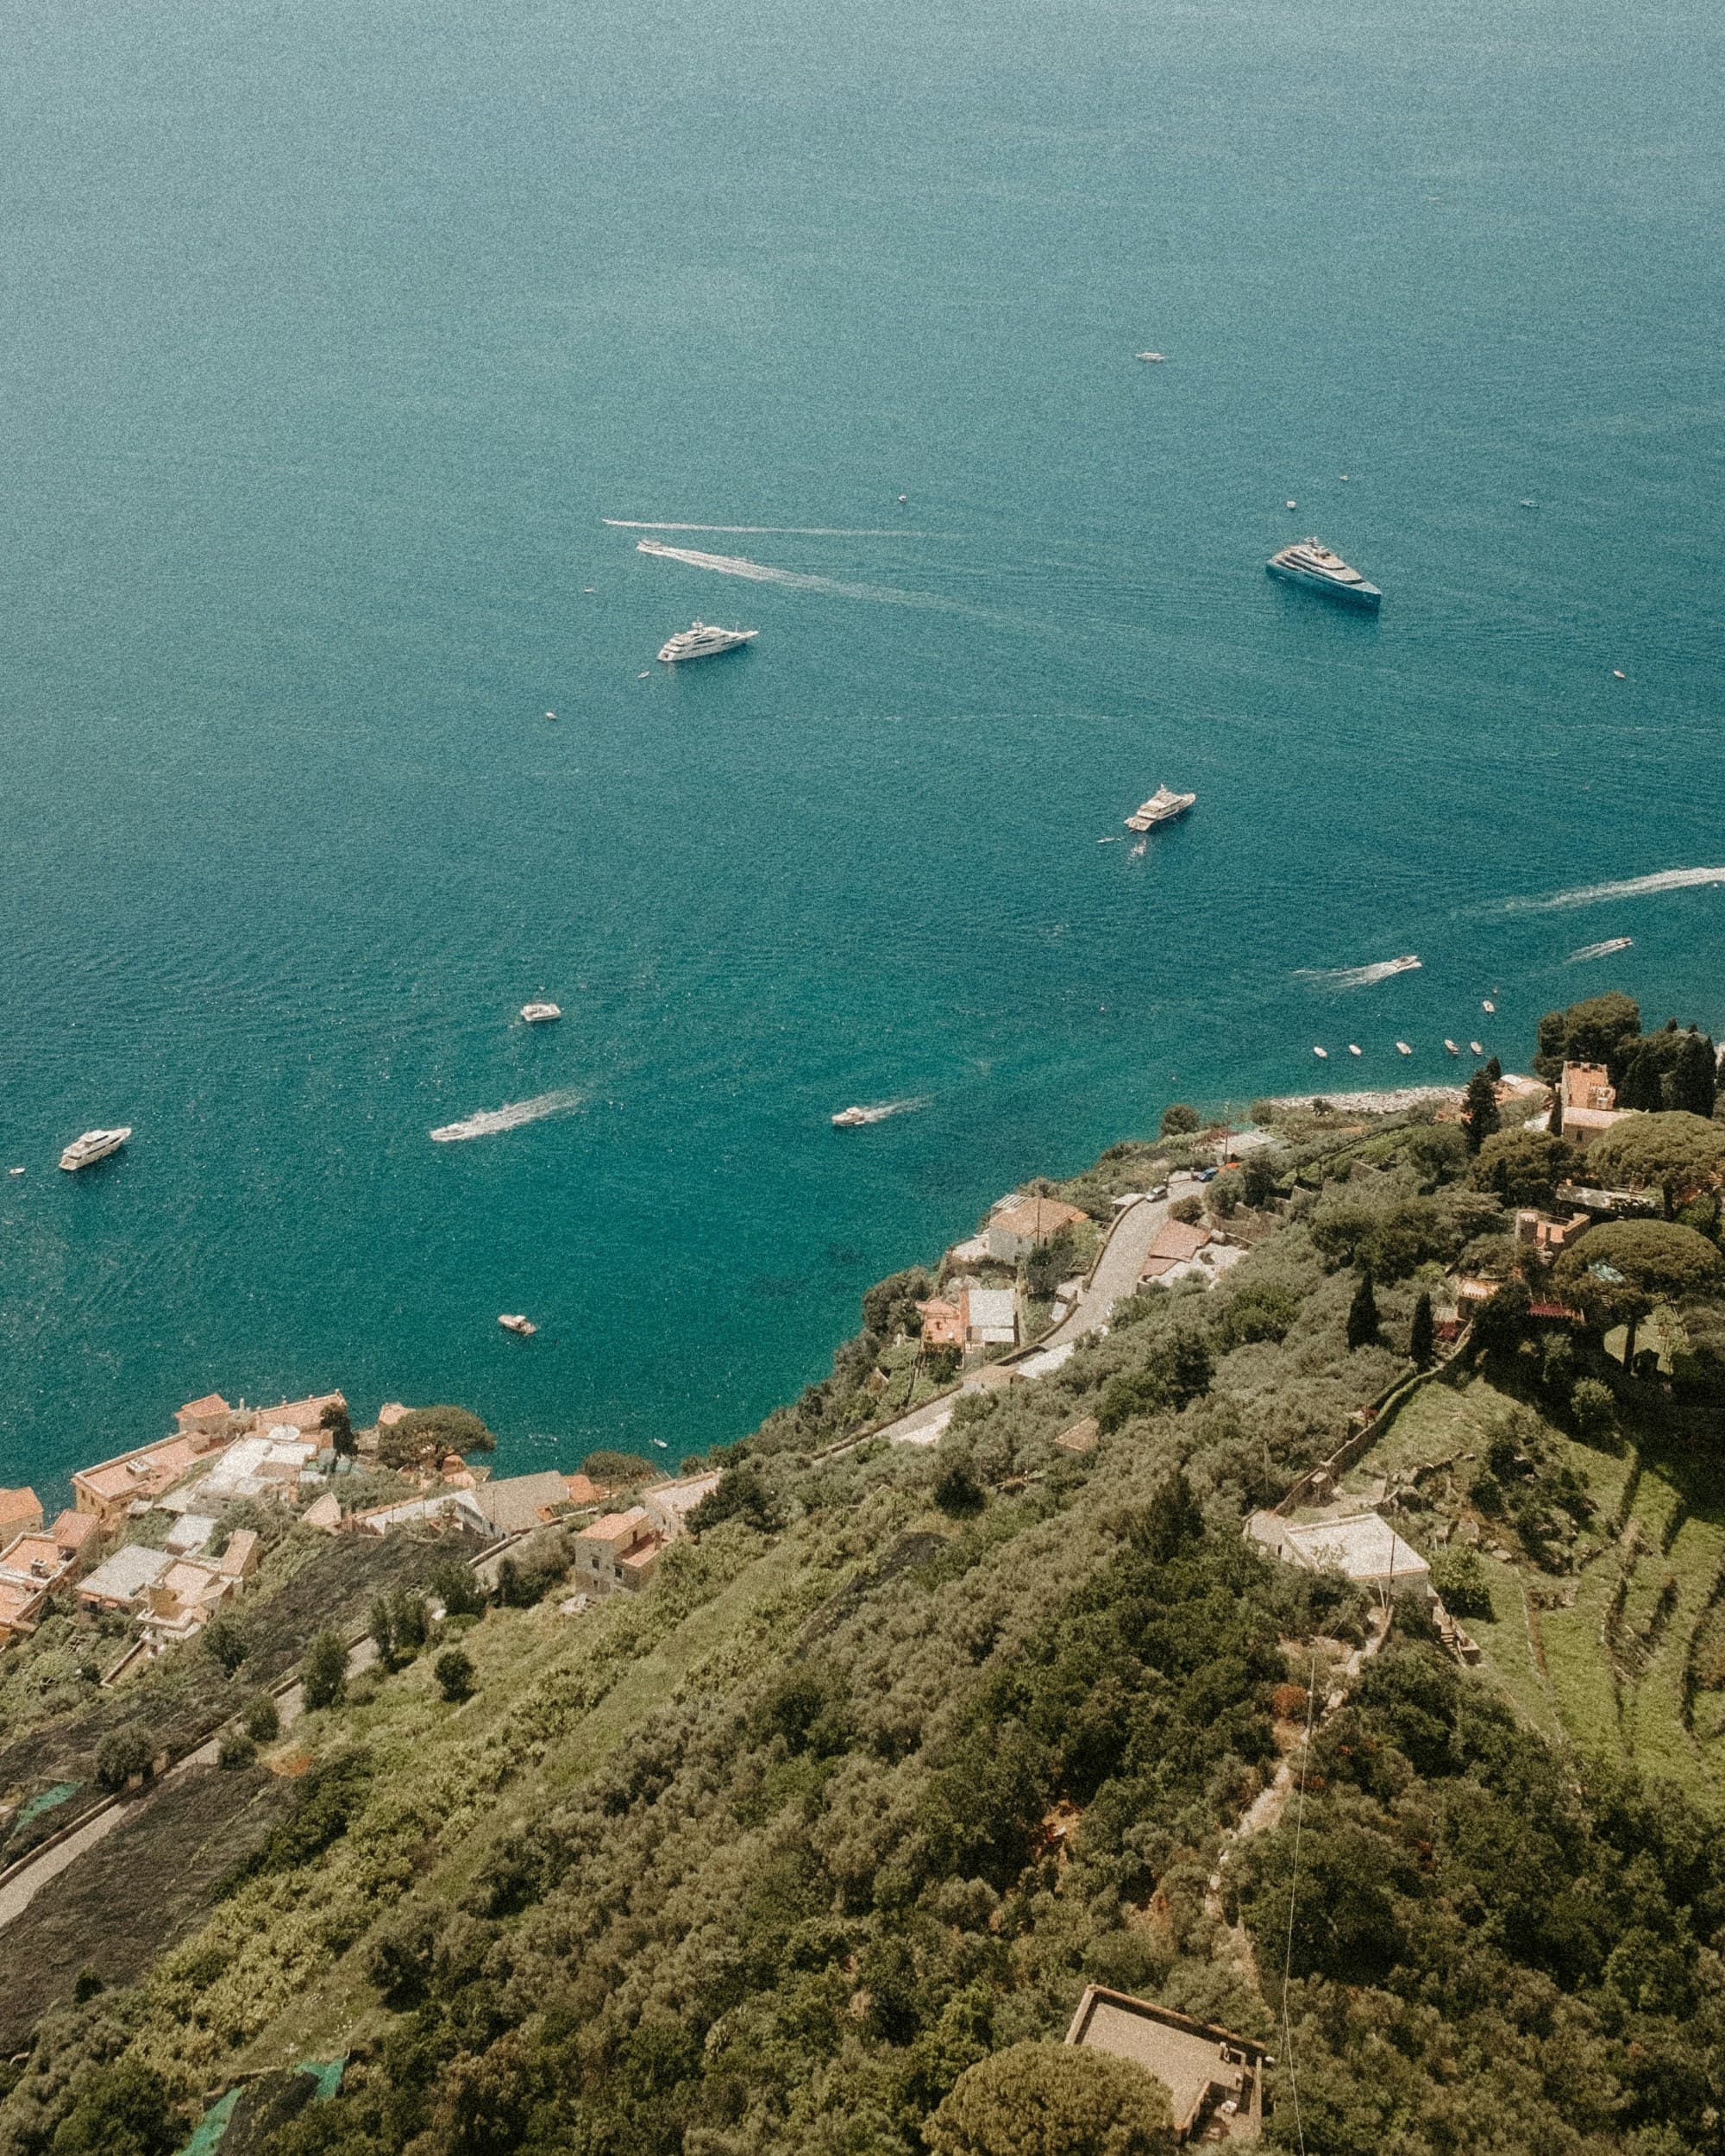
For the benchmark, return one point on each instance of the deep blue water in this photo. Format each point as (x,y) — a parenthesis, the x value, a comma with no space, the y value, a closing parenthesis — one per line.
(330,337)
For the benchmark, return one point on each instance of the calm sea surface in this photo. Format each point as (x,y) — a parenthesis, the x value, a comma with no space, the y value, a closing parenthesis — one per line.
(333,335)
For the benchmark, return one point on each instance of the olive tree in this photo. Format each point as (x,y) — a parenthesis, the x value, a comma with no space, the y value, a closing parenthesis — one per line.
(1053,2100)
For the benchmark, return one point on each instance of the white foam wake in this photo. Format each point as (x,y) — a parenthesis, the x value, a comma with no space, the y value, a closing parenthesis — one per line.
(1356,976)
(761,532)
(1599,951)
(1636,888)
(792,579)
(508,1118)
(882,1109)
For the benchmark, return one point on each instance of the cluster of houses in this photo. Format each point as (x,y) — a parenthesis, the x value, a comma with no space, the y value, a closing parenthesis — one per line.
(218,1454)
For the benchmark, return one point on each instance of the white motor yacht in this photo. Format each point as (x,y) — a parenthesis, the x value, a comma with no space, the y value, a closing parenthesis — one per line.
(514,1322)
(1310,562)
(702,641)
(1163,807)
(540,1014)
(94,1145)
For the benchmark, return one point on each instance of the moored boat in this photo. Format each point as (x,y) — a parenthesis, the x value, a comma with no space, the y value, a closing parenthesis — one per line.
(703,640)
(1310,562)
(513,1322)
(540,1014)
(1163,807)
(93,1146)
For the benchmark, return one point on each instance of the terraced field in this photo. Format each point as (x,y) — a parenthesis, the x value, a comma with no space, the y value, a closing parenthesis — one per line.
(1618,1651)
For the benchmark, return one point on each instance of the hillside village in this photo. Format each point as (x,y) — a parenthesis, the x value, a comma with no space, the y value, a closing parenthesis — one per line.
(1251,1610)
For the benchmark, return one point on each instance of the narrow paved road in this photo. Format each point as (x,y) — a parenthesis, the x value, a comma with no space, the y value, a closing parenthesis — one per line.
(23,1887)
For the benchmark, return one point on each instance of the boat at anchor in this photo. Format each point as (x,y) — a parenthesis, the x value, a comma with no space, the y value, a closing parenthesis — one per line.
(1163,807)
(1310,562)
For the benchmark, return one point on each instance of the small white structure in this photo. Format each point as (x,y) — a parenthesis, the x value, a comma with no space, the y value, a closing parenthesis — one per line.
(991,1317)
(189,1533)
(1364,1546)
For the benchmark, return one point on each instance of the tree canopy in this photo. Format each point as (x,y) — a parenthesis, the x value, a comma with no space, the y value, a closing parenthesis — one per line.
(1614,1273)
(1178,1120)
(1480,1114)
(1523,1167)
(1602,1030)
(429,1432)
(1053,2100)
(1672,1153)
(1670,1069)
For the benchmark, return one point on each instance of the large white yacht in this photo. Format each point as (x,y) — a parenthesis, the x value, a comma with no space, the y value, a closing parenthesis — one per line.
(704,641)
(1310,562)
(94,1145)
(1162,806)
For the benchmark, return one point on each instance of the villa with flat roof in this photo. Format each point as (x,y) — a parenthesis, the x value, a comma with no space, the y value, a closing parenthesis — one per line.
(1215,2079)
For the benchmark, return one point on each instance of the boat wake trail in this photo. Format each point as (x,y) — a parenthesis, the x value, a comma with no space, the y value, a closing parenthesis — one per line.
(882,1109)
(1599,951)
(762,531)
(1356,976)
(509,1117)
(1636,888)
(795,580)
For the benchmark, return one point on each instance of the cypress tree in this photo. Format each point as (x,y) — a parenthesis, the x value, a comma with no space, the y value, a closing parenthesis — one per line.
(1363,1321)
(1554,1121)
(1422,1340)
(1479,1110)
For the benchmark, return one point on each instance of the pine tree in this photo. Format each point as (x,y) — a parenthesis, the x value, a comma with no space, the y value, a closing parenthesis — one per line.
(1363,1319)
(1422,1339)
(1479,1110)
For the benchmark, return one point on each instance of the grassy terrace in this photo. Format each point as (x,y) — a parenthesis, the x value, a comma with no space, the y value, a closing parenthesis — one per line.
(1598,1657)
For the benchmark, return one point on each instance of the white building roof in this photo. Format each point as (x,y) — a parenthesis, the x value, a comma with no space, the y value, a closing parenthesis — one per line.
(1366,1547)
(124,1576)
(991,1309)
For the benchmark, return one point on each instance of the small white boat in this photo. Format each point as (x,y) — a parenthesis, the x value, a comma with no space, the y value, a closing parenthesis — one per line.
(1293,505)
(1354,1051)
(851,1118)
(662,1445)
(94,1145)
(1477,1047)
(1451,1045)
(550,714)
(540,1014)
(1323,1054)
(514,1322)
(1489,1005)
(1402,1049)
(1618,675)
(15,1171)
(1153,356)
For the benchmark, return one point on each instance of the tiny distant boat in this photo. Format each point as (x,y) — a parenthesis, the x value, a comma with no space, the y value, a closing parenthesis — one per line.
(851,1118)
(1402,1049)
(1408,964)
(701,640)
(1477,1047)
(1163,807)
(514,1322)
(1323,1054)
(1310,562)
(1489,1005)
(93,1146)
(540,1014)
(1618,675)
(15,1171)
(662,1445)
(1353,1050)
(1451,1045)
(550,714)
(1150,355)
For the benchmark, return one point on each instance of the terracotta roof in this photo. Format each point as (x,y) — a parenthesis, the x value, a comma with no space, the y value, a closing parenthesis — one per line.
(618,1528)
(212,1404)
(583,1490)
(19,1504)
(145,1472)
(1177,1240)
(302,1415)
(73,1529)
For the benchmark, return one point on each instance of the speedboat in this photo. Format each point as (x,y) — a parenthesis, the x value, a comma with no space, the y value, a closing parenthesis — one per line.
(1353,1050)
(540,1014)
(1489,1005)
(1310,562)
(94,1145)
(1477,1047)
(701,640)
(1323,1054)
(1150,355)
(851,1118)
(1402,1049)
(514,1322)
(1451,1045)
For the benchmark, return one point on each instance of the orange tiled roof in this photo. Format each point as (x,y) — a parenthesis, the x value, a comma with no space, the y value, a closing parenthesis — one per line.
(19,1504)
(73,1529)
(617,1527)
(212,1404)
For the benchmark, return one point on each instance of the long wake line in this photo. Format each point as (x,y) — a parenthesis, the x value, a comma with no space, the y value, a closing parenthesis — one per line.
(796,580)
(1636,888)
(508,1118)
(782,531)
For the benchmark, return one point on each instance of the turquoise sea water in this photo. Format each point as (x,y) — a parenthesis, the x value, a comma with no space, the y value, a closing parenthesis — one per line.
(333,334)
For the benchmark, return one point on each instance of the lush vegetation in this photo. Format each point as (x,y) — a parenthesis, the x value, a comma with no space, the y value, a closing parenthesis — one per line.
(815,1844)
